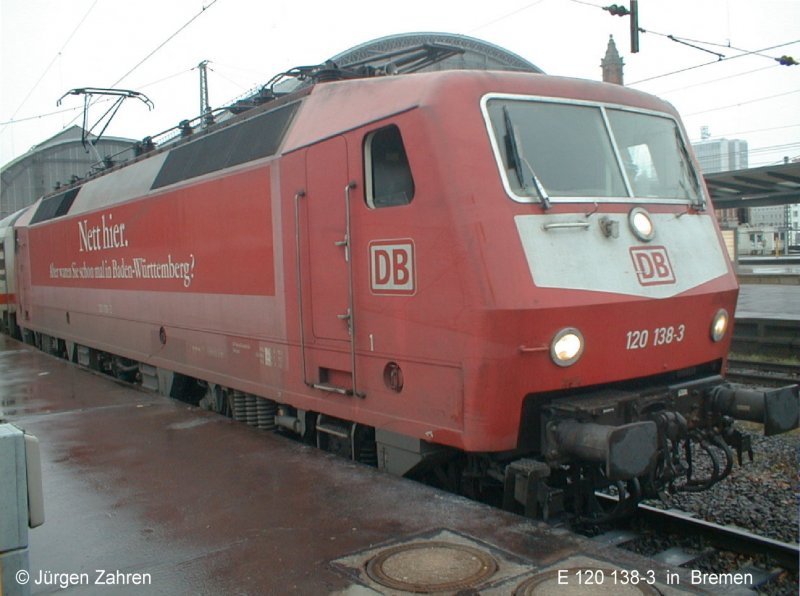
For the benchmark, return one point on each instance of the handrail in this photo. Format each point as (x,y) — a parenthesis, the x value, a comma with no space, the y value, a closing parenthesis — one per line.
(348,241)
(566,225)
(299,195)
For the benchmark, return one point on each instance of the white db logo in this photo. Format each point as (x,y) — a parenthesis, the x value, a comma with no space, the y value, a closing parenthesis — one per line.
(392,267)
(652,265)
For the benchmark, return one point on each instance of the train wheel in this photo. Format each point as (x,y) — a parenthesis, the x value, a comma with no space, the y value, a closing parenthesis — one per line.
(215,400)
(221,402)
(124,369)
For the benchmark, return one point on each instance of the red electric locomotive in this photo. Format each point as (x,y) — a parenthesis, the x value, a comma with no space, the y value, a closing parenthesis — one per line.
(505,280)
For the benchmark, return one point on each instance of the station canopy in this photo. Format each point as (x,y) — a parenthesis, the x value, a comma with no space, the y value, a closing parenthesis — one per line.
(755,187)
(474,54)
(393,55)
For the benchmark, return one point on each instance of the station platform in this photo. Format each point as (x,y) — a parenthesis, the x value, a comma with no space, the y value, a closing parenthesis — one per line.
(163,498)
(768,302)
(768,270)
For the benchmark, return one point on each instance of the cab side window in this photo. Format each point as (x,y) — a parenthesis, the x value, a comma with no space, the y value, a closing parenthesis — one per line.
(386,171)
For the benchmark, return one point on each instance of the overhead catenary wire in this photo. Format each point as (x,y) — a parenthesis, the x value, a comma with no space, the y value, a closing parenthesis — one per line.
(250,71)
(517,14)
(710,81)
(707,43)
(751,151)
(38,116)
(592,4)
(622,11)
(759,156)
(157,48)
(166,78)
(751,131)
(163,43)
(768,148)
(728,58)
(47,69)
(97,101)
(720,57)
(784,60)
(742,103)
(505,16)
(231,81)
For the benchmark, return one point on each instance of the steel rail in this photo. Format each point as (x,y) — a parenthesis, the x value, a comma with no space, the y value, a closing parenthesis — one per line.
(765,366)
(762,372)
(723,537)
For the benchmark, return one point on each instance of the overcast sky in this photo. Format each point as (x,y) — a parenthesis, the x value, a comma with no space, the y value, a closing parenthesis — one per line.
(48,47)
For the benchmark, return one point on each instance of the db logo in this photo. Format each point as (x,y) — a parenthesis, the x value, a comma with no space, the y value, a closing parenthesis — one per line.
(652,265)
(392,267)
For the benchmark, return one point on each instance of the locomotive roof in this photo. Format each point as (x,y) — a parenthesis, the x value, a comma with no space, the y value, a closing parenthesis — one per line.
(336,107)
(310,115)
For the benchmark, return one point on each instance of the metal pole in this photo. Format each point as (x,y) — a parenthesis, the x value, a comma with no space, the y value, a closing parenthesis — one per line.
(634,26)
(205,109)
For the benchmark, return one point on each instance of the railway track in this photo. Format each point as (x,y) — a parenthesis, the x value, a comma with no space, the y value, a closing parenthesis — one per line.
(767,338)
(762,372)
(679,539)
(765,352)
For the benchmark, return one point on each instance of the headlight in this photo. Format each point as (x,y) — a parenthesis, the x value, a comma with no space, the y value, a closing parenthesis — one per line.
(567,346)
(719,325)
(641,224)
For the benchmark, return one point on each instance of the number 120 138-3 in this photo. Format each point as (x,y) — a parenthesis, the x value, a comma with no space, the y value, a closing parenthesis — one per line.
(639,339)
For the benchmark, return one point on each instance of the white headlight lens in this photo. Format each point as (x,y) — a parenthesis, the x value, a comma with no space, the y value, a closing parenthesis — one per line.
(567,347)
(641,224)
(719,325)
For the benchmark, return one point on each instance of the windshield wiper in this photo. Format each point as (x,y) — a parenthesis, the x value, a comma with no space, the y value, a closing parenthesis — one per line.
(688,171)
(517,160)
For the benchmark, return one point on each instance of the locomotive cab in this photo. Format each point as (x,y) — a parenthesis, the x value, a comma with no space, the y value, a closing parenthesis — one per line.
(540,283)
(628,293)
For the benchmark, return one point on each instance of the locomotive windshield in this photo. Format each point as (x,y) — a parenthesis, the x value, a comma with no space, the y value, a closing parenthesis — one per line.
(550,149)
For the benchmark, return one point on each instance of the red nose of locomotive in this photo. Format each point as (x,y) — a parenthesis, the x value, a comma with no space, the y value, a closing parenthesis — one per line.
(617,297)
(621,272)
(614,302)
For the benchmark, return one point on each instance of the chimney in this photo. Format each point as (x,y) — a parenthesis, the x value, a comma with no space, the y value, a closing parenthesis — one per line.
(612,64)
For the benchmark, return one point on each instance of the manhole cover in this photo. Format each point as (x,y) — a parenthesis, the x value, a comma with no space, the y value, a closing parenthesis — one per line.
(428,567)
(585,580)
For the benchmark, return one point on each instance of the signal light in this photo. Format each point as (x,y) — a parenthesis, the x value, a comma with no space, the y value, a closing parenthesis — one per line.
(617,10)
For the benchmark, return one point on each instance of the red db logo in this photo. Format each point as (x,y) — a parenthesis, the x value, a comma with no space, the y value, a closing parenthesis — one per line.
(652,265)
(392,267)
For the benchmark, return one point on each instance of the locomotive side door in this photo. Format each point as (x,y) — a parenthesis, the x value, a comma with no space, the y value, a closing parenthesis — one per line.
(330,351)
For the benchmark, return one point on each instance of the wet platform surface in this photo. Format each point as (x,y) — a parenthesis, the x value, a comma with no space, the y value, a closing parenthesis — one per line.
(137,483)
(769,302)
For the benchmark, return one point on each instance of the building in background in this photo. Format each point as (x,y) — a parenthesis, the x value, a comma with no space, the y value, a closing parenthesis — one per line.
(612,64)
(782,221)
(760,230)
(722,155)
(58,160)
